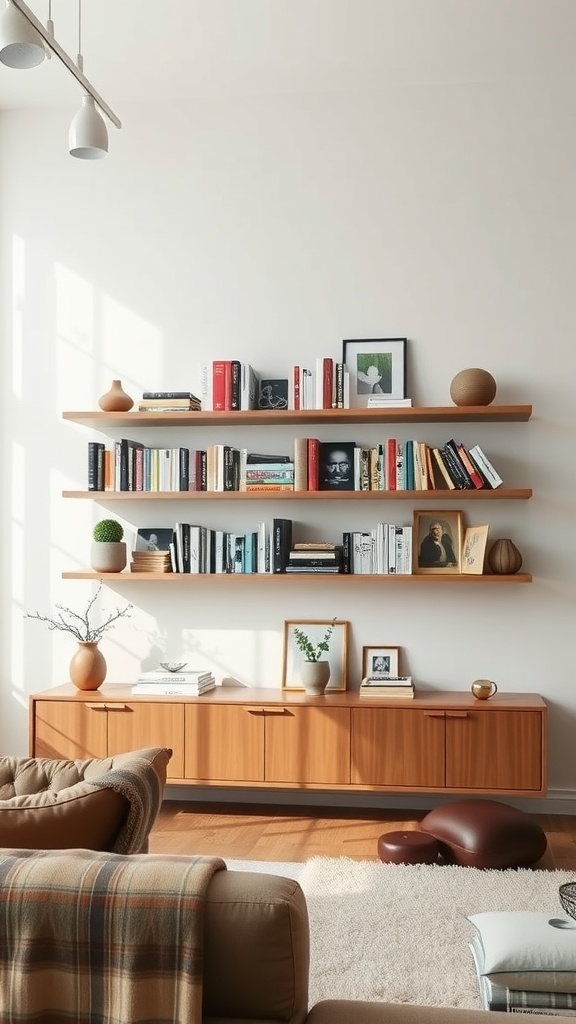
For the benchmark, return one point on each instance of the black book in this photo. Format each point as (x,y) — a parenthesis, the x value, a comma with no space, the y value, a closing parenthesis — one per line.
(236,383)
(455,470)
(346,551)
(336,466)
(95,460)
(231,468)
(452,452)
(184,465)
(254,458)
(281,543)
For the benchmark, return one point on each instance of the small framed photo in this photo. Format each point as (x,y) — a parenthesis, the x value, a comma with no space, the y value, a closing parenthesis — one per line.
(154,538)
(376,367)
(474,550)
(437,542)
(315,630)
(380,661)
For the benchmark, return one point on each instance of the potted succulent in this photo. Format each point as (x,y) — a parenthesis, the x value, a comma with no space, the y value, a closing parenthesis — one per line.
(88,666)
(315,670)
(108,550)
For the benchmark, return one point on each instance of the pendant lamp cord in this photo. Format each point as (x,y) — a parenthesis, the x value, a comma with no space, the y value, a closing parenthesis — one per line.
(80,61)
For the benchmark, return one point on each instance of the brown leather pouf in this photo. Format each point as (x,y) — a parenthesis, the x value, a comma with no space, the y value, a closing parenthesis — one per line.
(482,833)
(408,848)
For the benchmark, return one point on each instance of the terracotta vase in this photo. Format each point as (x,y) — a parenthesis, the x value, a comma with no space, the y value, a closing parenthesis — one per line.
(116,399)
(504,558)
(473,387)
(88,666)
(315,676)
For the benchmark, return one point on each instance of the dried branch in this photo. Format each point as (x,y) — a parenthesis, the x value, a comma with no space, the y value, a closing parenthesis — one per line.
(79,626)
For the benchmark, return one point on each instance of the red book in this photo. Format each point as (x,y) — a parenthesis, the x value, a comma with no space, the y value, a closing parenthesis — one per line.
(469,466)
(296,386)
(327,381)
(221,384)
(313,463)
(391,464)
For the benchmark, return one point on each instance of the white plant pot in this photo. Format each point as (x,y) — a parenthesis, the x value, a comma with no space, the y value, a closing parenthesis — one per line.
(108,555)
(315,676)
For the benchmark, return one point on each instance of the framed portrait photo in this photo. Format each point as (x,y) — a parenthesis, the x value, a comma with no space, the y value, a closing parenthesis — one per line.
(380,661)
(437,542)
(474,550)
(153,538)
(376,367)
(315,630)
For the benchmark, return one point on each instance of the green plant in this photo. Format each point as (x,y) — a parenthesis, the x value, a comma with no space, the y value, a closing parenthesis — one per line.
(79,626)
(310,650)
(108,531)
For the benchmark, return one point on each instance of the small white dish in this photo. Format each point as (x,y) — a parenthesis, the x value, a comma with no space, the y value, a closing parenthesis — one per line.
(173,666)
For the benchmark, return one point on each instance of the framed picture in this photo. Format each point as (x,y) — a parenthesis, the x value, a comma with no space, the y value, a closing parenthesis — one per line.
(474,550)
(315,630)
(336,466)
(437,542)
(154,538)
(273,393)
(380,661)
(376,367)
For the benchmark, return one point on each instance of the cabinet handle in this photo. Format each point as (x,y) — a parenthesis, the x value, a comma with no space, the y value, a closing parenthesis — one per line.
(268,711)
(456,714)
(96,707)
(434,714)
(116,707)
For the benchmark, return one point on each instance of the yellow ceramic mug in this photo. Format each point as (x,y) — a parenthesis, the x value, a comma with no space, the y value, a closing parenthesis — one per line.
(483,688)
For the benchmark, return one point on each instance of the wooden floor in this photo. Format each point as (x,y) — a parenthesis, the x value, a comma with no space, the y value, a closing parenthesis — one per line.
(249,832)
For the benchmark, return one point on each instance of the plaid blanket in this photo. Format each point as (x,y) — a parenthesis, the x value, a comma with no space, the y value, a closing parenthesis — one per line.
(138,781)
(99,938)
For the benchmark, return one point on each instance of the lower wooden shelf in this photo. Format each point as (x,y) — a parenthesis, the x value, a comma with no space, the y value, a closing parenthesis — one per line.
(340,579)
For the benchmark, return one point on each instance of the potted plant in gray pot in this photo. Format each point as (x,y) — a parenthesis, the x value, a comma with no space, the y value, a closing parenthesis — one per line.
(315,670)
(108,550)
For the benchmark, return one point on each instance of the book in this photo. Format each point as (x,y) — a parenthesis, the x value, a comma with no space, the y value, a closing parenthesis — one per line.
(221,384)
(387,693)
(182,395)
(313,463)
(183,675)
(249,387)
(300,463)
(273,393)
(377,681)
(485,466)
(281,544)
(380,402)
(336,465)
(235,384)
(173,689)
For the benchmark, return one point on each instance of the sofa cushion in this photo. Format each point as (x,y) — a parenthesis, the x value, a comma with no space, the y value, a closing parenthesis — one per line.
(525,950)
(485,834)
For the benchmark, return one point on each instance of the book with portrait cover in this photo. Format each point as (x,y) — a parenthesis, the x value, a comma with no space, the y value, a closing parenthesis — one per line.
(336,466)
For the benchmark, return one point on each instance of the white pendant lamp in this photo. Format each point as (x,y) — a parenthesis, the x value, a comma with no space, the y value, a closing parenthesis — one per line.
(21,46)
(88,138)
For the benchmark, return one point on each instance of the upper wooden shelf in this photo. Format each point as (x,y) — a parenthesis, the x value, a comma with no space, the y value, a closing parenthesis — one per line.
(260,417)
(271,579)
(501,493)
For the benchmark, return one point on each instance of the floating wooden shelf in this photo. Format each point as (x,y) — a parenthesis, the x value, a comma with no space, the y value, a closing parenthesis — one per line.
(269,578)
(267,418)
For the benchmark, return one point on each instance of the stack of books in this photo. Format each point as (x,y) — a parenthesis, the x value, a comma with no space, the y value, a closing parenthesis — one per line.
(315,557)
(186,683)
(151,561)
(387,688)
(260,472)
(169,401)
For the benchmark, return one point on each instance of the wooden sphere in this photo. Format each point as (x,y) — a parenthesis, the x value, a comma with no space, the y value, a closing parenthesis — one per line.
(504,558)
(473,387)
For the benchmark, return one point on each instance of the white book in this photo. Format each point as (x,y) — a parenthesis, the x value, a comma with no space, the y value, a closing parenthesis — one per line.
(376,681)
(206,387)
(391,548)
(175,689)
(486,466)
(183,676)
(381,402)
(219,551)
(307,389)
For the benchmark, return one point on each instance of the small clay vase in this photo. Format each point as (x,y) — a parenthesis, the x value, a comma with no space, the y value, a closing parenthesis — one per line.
(315,676)
(88,666)
(116,399)
(504,558)
(473,387)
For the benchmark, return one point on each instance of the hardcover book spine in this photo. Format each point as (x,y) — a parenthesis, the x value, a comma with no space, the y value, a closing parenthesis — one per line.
(184,469)
(296,387)
(281,544)
(313,463)
(455,463)
(235,383)
(469,466)
(327,379)
(207,383)
(220,368)
(168,394)
(300,463)
(486,467)
(93,447)
(391,464)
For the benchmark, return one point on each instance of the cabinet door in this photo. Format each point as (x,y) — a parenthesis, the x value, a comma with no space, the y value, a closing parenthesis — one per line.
(69,729)
(225,743)
(308,746)
(494,750)
(137,725)
(397,747)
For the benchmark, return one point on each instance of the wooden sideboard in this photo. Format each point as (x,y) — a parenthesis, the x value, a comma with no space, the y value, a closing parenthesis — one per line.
(442,741)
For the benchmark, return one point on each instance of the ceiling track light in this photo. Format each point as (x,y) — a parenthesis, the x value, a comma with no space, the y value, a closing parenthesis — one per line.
(24,41)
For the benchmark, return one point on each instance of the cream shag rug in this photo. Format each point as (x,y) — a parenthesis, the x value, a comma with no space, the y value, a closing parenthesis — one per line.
(399,934)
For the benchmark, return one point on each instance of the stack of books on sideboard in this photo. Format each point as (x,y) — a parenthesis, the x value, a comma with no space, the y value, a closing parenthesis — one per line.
(183,683)
(387,688)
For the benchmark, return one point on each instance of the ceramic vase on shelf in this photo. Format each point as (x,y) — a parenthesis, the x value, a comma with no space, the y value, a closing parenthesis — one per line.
(116,399)
(504,558)
(88,666)
(315,676)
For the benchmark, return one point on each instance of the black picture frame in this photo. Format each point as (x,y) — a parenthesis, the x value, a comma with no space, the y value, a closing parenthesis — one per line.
(377,366)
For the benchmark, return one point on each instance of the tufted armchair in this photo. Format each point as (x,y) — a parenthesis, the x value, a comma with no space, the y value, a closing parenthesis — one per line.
(107,803)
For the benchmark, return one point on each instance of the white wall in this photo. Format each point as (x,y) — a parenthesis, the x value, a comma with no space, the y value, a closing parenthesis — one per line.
(269,230)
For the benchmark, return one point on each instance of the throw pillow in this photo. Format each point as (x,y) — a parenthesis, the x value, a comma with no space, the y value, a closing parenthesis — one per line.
(526,950)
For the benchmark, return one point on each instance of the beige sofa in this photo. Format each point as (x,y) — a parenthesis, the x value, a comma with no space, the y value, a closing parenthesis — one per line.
(257,959)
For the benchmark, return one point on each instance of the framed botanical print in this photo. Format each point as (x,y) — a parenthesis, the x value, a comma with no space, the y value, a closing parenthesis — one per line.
(376,367)
(315,630)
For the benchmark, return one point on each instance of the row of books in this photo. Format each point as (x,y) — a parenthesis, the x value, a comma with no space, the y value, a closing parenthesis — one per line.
(186,683)
(228,385)
(314,465)
(385,549)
